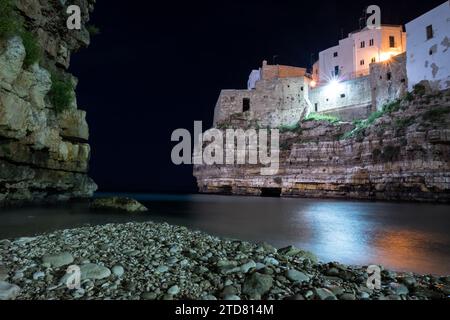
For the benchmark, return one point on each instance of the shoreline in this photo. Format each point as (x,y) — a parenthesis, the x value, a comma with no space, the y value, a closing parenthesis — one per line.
(158,261)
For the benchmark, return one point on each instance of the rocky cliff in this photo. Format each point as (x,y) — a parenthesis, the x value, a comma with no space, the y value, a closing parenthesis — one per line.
(402,153)
(44,150)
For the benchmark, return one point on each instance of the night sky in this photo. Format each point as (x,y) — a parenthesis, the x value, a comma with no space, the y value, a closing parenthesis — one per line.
(158,67)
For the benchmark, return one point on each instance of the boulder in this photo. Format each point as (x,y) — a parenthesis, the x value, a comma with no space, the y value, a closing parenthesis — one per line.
(58,260)
(257,285)
(8,291)
(116,203)
(93,271)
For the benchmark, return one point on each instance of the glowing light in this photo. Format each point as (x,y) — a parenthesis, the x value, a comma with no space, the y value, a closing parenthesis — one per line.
(385,56)
(313,84)
(333,88)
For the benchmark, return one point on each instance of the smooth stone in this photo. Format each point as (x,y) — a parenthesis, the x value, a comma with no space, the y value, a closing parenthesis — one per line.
(231,298)
(260,266)
(38,275)
(149,296)
(4,273)
(399,289)
(271,261)
(245,268)
(297,276)
(229,291)
(364,295)
(257,284)
(93,271)
(347,296)
(162,269)
(8,291)
(324,294)
(209,297)
(174,290)
(167,297)
(58,260)
(118,271)
(408,281)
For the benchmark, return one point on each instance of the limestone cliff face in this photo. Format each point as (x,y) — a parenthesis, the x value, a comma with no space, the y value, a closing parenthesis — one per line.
(44,153)
(404,155)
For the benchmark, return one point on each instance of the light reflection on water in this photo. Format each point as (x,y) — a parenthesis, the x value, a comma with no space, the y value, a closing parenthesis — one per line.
(401,236)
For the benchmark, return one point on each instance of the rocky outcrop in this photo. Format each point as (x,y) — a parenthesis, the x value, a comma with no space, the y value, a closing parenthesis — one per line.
(44,152)
(402,155)
(122,204)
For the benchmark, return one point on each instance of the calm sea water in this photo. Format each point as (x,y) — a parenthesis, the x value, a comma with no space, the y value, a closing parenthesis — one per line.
(401,236)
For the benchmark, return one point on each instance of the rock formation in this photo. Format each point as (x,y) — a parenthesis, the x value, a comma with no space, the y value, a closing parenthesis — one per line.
(401,154)
(44,150)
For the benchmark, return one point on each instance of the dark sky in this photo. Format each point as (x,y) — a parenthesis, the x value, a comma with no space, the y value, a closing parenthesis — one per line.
(158,67)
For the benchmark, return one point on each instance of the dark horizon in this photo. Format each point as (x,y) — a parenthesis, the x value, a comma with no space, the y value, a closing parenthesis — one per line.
(158,67)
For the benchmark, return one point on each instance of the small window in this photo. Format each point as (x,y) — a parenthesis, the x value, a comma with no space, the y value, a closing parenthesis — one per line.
(371,42)
(363,44)
(246,104)
(302,88)
(335,54)
(343,95)
(316,107)
(336,70)
(389,76)
(392,41)
(430,32)
(362,62)
(374,60)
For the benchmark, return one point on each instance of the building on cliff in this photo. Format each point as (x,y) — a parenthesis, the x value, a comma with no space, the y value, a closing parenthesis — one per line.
(276,96)
(429,48)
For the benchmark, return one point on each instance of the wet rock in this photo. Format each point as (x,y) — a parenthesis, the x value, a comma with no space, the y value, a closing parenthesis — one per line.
(174,290)
(271,261)
(347,296)
(94,272)
(324,294)
(118,271)
(257,284)
(58,260)
(162,269)
(245,268)
(297,276)
(231,298)
(38,275)
(123,204)
(399,289)
(149,296)
(8,291)
(409,281)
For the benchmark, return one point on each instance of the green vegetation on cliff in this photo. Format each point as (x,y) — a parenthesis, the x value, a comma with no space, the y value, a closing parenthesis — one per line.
(61,92)
(12,24)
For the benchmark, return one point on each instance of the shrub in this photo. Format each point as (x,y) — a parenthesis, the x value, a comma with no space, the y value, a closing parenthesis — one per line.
(61,92)
(32,49)
(9,21)
(93,30)
(321,117)
(291,128)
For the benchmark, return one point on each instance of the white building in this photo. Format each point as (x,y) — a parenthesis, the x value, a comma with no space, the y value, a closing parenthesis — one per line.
(429,48)
(352,57)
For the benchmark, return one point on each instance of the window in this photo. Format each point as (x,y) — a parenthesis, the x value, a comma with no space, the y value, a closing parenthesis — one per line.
(374,60)
(336,70)
(362,62)
(246,104)
(343,95)
(430,32)
(371,42)
(392,41)
(316,107)
(363,44)
(335,54)
(389,76)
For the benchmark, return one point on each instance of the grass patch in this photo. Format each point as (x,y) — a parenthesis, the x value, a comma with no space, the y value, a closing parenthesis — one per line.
(321,117)
(292,128)
(31,48)
(61,93)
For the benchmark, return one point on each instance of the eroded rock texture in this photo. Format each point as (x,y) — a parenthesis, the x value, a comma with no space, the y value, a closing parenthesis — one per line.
(44,154)
(403,155)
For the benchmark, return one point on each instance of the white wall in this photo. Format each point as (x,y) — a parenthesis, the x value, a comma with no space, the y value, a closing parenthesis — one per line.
(350,52)
(421,65)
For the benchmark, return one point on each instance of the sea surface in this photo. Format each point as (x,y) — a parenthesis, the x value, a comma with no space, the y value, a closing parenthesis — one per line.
(401,236)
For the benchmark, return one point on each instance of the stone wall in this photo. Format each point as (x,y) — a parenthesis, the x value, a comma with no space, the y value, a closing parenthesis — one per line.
(351,99)
(272,103)
(402,156)
(388,80)
(44,154)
